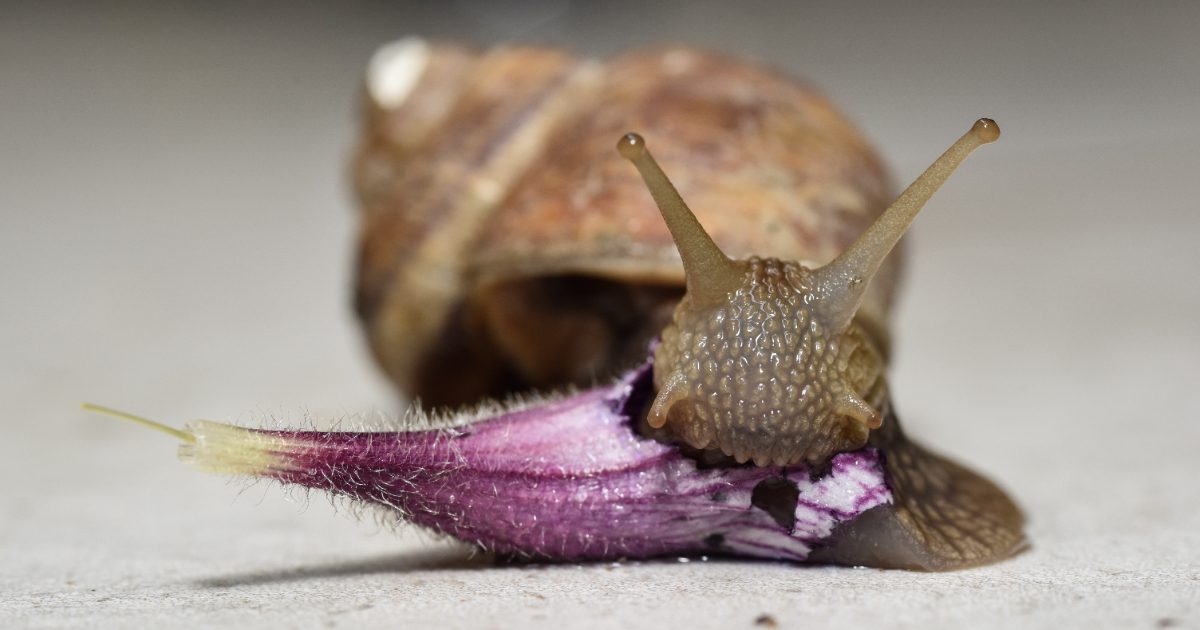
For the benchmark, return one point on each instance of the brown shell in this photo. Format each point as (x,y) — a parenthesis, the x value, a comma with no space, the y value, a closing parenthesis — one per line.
(505,243)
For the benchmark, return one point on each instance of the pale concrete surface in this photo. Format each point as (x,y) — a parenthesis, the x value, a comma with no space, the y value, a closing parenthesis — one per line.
(176,239)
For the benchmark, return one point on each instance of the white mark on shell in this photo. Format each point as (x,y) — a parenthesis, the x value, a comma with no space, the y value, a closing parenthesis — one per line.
(394,70)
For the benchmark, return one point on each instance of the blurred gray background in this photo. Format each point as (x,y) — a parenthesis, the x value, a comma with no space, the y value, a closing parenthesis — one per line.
(176,238)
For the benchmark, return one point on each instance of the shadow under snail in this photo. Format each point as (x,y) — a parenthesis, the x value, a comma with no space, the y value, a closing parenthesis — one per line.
(759,425)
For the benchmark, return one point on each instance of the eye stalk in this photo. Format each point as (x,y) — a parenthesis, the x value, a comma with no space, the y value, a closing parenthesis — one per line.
(843,282)
(763,359)
(710,274)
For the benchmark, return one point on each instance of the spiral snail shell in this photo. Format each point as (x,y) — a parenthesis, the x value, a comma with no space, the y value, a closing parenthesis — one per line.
(504,245)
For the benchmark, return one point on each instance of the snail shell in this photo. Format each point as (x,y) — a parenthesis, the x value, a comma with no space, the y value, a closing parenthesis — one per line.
(505,245)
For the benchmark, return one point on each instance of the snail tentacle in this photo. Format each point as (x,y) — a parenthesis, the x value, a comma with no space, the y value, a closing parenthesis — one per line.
(843,282)
(711,275)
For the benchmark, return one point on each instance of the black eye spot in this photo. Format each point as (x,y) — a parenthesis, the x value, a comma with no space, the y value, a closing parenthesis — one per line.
(714,541)
(719,497)
(777,497)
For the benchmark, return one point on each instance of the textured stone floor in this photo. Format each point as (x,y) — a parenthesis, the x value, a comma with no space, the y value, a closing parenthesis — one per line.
(175,236)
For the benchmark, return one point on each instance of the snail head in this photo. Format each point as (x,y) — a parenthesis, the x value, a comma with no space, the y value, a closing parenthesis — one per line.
(763,359)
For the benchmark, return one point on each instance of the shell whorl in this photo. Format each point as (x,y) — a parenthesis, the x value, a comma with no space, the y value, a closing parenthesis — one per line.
(492,200)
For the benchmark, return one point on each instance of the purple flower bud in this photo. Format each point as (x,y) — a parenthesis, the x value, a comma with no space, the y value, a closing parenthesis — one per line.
(568,479)
(572,478)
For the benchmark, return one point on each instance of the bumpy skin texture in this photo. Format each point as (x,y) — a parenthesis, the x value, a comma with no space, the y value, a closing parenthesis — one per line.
(759,377)
(498,178)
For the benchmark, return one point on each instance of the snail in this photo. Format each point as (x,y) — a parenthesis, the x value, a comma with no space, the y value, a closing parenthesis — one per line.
(561,271)
(758,423)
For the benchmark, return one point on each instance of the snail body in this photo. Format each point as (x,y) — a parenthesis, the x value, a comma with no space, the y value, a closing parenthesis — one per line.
(764,355)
